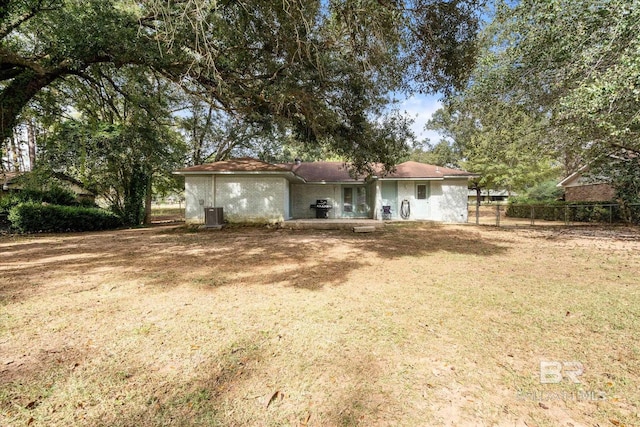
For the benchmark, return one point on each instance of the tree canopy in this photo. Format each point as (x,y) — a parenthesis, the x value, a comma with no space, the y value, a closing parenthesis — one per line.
(118,139)
(320,70)
(498,141)
(555,86)
(577,61)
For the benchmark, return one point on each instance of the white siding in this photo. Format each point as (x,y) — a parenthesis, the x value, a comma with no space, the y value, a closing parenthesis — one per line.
(198,195)
(267,199)
(454,201)
(253,199)
(420,209)
(447,200)
(287,200)
(305,195)
(435,201)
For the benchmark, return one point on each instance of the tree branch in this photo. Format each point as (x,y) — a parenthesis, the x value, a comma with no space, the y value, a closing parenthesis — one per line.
(9,72)
(6,29)
(11,59)
(108,100)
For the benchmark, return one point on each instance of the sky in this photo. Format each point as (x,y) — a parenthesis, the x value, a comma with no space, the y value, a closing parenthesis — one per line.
(420,108)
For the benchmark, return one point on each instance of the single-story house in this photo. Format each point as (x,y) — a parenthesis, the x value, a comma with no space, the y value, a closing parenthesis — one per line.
(11,181)
(255,191)
(578,188)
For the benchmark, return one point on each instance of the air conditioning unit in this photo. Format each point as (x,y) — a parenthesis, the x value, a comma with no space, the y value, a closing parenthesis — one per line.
(213,217)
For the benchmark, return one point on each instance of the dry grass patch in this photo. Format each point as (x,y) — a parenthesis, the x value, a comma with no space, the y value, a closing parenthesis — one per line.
(419,324)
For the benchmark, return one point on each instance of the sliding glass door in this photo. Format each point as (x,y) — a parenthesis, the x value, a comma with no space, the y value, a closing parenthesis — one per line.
(355,202)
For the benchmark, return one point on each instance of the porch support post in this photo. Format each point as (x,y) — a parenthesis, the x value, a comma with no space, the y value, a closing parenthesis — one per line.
(377,210)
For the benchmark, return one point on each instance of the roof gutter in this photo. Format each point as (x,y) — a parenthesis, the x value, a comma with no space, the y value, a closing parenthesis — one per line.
(286,174)
(431,178)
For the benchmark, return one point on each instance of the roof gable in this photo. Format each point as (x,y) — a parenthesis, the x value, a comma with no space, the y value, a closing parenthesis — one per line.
(582,177)
(11,181)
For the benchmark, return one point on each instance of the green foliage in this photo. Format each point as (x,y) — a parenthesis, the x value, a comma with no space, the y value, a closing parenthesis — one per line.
(132,211)
(38,217)
(568,211)
(496,140)
(44,41)
(7,201)
(319,71)
(123,140)
(56,195)
(443,153)
(573,67)
(109,159)
(384,142)
(556,84)
(578,60)
(547,191)
(621,169)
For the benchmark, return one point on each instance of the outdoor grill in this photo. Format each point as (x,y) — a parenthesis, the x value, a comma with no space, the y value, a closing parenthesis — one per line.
(322,208)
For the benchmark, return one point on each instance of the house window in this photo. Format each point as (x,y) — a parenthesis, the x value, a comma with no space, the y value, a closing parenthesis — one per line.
(348,200)
(421,191)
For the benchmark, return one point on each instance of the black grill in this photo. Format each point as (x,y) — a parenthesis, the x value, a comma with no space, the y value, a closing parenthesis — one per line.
(322,208)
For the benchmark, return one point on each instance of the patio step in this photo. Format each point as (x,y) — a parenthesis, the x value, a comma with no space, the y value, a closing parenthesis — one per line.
(333,224)
(364,229)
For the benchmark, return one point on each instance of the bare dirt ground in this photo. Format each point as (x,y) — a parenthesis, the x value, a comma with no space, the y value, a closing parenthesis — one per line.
(416,325)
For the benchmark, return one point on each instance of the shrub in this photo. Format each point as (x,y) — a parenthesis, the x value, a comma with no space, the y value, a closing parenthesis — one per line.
(34,217)
(567,211)
(7,202)
(56,195)
(546,191)
(87,203)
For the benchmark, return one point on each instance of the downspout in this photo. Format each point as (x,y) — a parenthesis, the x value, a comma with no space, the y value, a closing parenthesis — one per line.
(213,191)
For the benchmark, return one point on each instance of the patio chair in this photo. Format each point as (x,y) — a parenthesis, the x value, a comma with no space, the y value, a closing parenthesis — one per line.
(386,212)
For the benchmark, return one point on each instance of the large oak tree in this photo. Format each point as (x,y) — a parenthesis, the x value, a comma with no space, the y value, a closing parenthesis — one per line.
(321,70)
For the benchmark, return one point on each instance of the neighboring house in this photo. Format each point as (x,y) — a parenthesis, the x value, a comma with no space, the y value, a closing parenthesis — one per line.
(11,182)
(490,196)
(251,190)
(578,188)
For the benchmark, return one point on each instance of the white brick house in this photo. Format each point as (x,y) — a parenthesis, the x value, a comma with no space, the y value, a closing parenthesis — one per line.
(250,190)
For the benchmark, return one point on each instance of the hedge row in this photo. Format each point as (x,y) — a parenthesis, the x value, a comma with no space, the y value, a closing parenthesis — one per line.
(37,217)
(54,196)
(571,212)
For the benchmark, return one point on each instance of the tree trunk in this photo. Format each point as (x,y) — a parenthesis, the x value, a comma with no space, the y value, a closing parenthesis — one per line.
(31,140)
(478,195)
(15,156)
(147,201)
(15,96)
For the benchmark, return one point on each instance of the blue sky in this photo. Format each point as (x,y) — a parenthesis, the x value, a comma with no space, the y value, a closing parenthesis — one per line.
(420,108)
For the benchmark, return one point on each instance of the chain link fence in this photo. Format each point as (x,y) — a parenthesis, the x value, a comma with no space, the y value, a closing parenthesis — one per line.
(555,214)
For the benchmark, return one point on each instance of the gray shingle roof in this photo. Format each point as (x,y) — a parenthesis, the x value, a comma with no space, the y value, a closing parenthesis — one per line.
(327,171)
